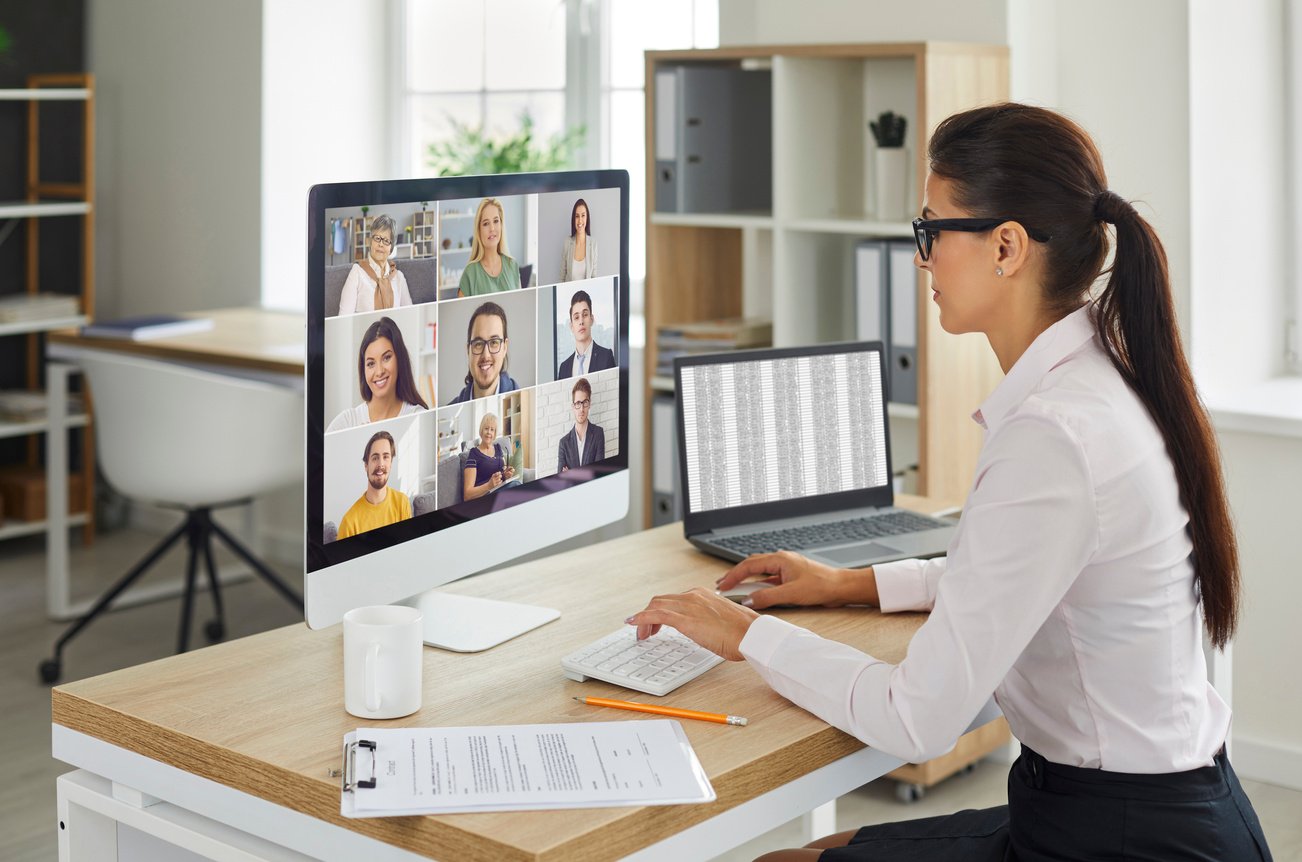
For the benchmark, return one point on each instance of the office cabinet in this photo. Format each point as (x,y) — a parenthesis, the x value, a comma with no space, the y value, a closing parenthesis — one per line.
(794,263)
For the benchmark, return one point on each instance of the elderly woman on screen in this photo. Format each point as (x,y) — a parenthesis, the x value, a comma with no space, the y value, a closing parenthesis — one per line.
(486,466)
(375,282)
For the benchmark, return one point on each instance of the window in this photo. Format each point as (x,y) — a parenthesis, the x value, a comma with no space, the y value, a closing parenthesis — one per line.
(568,62)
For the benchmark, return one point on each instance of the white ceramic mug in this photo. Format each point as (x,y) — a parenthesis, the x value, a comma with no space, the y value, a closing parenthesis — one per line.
(384,648)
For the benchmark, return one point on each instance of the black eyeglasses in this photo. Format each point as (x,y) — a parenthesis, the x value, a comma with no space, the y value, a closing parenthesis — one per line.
(925,231)
(493,344)
(382,240)
(579,405)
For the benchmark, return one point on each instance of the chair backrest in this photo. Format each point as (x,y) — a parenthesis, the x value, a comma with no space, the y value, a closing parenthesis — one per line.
(170,433)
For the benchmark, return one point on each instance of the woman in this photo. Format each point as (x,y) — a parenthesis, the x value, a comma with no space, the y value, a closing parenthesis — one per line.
(580,258)
(486,467)
(384,374)
(375,283)
(491,268)
(1095,528)
(487,346)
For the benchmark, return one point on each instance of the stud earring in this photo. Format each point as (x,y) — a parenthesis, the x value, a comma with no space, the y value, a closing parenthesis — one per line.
(999,270)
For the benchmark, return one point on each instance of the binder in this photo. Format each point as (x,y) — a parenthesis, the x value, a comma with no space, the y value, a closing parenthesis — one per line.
(713,139)
(664,461)
(902,351)
(871,299)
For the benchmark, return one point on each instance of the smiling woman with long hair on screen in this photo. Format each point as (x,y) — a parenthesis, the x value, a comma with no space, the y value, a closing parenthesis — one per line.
(384,376)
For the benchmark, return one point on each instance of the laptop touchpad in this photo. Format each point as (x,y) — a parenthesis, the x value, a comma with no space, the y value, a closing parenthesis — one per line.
(849,554)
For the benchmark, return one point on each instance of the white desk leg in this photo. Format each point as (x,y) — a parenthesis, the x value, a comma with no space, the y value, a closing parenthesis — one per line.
(57,589)
(85,835)
(820,822)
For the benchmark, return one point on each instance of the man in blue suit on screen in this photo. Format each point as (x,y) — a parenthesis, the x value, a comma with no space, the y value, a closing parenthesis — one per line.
(586,441)
(588,355)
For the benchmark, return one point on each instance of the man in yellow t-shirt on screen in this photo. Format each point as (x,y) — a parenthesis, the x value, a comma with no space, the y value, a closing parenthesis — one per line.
(380,505)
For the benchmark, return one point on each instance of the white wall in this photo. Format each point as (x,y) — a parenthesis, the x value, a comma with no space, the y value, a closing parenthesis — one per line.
(177,161)
(325,118)
(1237,97)
(782,22)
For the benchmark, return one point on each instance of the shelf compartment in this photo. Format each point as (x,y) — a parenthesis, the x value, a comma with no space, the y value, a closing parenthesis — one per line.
(41,209)
(13,528)
(48,324)
(46,94)
(854,225)
(756,219)
(823,176)
(38,426)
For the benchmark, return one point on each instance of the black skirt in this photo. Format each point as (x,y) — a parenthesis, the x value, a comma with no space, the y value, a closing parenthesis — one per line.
(1066,813)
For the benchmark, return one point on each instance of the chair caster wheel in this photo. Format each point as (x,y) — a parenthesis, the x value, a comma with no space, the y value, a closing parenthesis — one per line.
(51,670)
(909,793)
(215,630)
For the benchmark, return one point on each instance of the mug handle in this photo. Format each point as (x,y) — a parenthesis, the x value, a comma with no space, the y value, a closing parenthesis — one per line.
(372,678)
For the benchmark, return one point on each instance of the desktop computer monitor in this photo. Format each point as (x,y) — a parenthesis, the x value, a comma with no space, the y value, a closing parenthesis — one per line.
(467,386)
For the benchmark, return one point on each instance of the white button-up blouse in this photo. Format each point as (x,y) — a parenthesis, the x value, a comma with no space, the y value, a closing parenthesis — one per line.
(1068,591)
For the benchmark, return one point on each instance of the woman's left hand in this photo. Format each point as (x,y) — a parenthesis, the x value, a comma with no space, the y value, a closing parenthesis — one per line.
(716,623)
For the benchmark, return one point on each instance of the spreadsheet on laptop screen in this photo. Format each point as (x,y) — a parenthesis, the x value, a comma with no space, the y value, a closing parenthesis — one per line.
(768,430)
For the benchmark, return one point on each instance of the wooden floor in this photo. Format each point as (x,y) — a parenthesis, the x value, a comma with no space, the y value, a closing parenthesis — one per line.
(135,635)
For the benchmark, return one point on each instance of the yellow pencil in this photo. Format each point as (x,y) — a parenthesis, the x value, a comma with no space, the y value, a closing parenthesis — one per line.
(674,711)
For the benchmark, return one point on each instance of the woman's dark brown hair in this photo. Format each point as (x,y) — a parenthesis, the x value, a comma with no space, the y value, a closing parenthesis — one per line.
(1039,168)
(406,384)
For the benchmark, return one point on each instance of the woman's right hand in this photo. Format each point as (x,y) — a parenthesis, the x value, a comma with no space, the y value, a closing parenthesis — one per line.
(495,480)
(798,580)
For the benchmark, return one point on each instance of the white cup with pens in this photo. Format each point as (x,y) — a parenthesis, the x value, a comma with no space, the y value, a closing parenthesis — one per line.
(383,661)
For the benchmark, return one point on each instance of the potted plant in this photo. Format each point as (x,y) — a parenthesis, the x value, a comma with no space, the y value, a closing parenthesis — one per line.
(469,150)
(891,165)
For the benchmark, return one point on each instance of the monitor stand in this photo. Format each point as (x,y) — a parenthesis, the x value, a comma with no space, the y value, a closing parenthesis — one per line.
(469,624)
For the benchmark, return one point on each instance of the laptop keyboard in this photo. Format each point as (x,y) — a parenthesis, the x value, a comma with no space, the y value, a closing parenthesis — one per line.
(831,533)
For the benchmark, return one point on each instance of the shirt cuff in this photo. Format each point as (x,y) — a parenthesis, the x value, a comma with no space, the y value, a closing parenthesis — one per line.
(764,639)
(902,586)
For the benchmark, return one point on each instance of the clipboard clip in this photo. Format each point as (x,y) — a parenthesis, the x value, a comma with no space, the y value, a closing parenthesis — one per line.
(350,779)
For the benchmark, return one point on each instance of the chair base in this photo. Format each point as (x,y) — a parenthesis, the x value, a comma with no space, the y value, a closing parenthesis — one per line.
(199,529)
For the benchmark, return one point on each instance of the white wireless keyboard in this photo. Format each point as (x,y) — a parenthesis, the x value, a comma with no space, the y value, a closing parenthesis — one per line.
(657,665)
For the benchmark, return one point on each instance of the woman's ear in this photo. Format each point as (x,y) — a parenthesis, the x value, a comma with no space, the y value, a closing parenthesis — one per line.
(1012,247)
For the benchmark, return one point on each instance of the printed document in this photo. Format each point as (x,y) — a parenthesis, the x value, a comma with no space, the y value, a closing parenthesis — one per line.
(446,770)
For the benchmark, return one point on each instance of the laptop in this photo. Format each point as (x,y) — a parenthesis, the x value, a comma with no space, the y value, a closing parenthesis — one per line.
(789,449)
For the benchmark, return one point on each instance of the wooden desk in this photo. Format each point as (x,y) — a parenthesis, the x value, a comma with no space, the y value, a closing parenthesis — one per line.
(262,718)
(249,342)
(258,339)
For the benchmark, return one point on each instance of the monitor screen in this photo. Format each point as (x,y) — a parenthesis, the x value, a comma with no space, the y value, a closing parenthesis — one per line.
(467,376)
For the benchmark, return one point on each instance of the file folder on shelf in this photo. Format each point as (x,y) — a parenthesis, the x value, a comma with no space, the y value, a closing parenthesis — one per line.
(903,347)
(886,310)
(713,139)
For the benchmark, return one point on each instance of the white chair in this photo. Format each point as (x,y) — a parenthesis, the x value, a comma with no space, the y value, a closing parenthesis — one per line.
(193,440)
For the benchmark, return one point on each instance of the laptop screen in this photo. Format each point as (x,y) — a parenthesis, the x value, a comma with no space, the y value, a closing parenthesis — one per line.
(779,425)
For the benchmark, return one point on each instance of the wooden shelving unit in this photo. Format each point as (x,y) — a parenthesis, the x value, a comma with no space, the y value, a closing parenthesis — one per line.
(794,264)
(424,234)
(54,199)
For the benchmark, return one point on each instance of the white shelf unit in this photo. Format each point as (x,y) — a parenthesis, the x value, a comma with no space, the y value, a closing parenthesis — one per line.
(51,199)
(795,264)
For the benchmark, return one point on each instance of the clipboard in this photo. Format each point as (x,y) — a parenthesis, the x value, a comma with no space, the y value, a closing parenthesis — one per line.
(393,772)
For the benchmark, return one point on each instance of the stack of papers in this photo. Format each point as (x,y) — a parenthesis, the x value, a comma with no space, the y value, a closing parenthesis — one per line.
(390,772)
(708,336)
(21,307)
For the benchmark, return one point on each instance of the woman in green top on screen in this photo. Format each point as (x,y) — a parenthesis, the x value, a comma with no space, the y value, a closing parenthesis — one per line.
(491,268)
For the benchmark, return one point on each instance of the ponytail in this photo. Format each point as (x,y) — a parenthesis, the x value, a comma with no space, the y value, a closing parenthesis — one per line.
(1059,186)
(1135,319)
